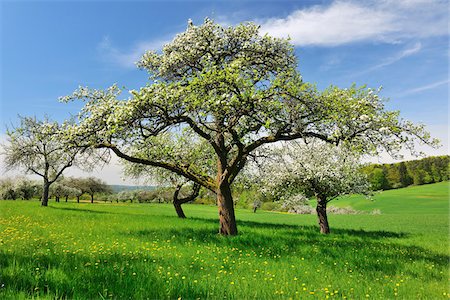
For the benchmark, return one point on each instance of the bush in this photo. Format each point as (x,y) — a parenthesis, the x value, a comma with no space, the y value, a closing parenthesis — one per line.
(342,210)
(271,206)
(302,209)
(206,201)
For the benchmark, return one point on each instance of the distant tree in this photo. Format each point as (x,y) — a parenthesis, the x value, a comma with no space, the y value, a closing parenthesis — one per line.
(25,188)
(7,189)
(92,185)
(78,184)
(404,178)
(69,191)
(124,196)
(56,190)
(402,174)
(392,176)
(316,168)
(256,204)
(38,148)
(377,179)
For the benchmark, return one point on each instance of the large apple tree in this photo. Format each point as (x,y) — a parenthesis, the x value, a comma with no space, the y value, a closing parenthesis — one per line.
(237,90)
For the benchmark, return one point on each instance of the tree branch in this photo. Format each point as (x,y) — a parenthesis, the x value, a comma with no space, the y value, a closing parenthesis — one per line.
(205,181)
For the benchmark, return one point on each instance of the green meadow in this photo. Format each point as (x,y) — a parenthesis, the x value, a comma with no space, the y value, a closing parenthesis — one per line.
(139,251)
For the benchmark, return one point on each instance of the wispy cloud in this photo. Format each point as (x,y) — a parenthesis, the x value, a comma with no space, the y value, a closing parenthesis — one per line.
(429,86)
(343,22)
(400,55)
(393,59)
(127,58)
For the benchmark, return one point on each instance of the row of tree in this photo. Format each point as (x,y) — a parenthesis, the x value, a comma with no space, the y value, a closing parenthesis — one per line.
(74,188)
(403,174)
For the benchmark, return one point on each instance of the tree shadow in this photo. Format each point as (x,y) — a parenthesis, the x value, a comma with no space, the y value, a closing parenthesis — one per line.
(311,230)
(93,211)
(56,277)
(290,241)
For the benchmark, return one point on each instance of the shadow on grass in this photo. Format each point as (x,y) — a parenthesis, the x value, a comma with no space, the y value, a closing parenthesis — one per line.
(81,210)
(362,249)
(368,254)
(77,277)
(312,230)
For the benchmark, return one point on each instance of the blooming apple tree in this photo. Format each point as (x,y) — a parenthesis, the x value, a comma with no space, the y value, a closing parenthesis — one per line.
(237,90)
(316,169)
(38,148)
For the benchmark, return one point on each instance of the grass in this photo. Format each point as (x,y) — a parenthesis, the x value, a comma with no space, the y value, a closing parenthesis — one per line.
(138,251)
(411,200)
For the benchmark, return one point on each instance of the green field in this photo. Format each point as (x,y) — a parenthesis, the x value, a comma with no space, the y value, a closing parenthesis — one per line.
(138,251)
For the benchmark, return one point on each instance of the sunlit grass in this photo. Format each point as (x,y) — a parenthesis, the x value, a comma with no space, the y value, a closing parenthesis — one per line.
(125,251)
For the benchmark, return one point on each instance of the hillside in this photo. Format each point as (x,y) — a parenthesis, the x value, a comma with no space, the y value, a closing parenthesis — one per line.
(429,199)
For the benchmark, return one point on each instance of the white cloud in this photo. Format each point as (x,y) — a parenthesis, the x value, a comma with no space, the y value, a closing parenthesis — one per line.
(127,58)
(343,22)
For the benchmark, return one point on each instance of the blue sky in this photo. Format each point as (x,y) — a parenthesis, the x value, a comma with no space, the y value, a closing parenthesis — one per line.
(49,48)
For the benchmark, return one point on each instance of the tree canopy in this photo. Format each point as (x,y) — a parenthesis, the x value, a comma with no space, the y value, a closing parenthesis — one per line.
(237,90)
(314,169)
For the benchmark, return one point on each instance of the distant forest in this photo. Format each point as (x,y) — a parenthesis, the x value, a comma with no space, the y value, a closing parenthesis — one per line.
(414,172)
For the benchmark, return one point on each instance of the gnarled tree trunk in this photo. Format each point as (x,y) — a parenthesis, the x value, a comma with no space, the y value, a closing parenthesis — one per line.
(45,193)
(227,218)
(178,201)
(92,198)
(321,210)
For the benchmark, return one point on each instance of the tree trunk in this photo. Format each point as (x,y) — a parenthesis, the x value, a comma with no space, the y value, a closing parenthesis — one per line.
(67,197)
(227,218)
(254,209)
(45,193)
(179,210)
(56,199)
(78,199)
(92,198)
(178,201)
(321,210)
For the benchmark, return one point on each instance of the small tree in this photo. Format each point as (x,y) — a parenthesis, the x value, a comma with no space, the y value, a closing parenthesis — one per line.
(174,147)
(78,185)
(237,90)
(25,188)
(7,189)
(55,191)
(124,196)
(94,185)
(37,147)
(317,169)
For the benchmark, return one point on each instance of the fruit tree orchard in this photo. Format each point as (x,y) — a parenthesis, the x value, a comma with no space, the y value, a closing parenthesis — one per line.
(238,90)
